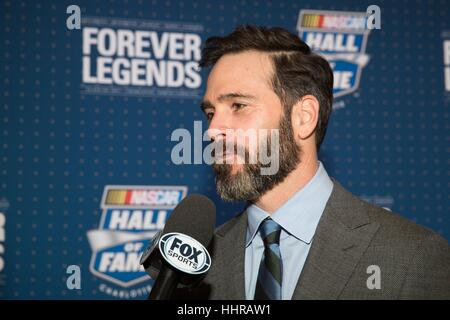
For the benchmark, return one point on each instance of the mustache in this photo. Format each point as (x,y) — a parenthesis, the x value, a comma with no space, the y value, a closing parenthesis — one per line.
(228,148)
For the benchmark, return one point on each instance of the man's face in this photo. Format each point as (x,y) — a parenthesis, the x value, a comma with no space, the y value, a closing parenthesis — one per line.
(239,96)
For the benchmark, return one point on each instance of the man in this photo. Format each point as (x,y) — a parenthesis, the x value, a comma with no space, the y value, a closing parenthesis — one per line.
(302,236)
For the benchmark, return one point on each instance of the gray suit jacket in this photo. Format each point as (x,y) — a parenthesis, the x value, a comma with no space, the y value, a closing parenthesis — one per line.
(414,262)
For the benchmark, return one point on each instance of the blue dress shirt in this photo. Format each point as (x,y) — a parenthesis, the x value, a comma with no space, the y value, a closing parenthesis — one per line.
(299,218)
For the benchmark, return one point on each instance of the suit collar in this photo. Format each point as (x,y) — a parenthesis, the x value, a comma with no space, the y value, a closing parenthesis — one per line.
(343,234)
(232,259)
(299,215)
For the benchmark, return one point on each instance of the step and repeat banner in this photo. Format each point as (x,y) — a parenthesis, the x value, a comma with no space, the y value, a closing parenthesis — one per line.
(93,91)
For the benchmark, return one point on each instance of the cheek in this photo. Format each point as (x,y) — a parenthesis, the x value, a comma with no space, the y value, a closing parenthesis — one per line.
(267,118)
(271,115)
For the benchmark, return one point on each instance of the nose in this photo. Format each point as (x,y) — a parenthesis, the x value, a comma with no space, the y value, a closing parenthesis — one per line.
(218,125)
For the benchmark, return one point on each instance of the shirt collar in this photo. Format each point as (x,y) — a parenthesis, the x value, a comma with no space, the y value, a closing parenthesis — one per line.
(300,215)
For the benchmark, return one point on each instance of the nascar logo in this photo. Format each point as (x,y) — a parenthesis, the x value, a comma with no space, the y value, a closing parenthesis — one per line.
(131,216)
(341,38)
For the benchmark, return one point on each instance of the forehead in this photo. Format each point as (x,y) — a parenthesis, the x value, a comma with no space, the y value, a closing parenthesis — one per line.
(248,71)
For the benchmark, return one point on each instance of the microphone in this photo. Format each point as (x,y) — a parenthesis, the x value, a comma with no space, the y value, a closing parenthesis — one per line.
(178,252)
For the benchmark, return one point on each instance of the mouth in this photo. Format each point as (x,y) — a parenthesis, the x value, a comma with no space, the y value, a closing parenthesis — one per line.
(236,157)
(226,158)
(230,154)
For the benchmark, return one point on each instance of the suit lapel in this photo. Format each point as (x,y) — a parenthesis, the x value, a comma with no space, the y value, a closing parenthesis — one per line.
(231,243)
(342,236)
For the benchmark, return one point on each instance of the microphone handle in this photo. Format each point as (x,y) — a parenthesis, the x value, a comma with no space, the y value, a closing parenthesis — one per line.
(165,284)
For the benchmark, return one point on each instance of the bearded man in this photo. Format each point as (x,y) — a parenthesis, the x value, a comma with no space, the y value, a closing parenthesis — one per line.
(302,235)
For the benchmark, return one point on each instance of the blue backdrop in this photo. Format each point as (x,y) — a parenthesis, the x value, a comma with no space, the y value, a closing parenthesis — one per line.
(87,115)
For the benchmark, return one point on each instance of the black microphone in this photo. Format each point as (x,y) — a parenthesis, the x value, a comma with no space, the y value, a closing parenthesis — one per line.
(178,253)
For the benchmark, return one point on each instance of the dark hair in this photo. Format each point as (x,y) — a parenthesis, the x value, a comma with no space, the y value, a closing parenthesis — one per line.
(297,71)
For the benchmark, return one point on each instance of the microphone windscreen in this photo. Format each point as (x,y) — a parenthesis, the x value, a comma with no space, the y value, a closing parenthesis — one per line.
(194,216)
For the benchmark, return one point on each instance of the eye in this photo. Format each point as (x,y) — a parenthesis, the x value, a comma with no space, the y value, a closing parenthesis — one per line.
(209,115)
(238,106)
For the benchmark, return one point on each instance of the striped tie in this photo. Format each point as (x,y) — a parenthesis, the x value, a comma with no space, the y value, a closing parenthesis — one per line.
(268,286)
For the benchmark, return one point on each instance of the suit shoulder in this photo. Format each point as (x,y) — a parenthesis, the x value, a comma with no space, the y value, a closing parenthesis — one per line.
(392,226)
(395,226)
(400,232)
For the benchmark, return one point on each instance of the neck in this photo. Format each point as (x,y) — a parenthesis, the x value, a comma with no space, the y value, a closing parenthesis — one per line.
(296,180)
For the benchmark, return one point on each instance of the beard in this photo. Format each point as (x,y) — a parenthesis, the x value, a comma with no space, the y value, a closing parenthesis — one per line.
(247,183)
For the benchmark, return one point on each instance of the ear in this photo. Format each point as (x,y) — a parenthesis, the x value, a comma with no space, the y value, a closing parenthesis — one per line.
(305,114)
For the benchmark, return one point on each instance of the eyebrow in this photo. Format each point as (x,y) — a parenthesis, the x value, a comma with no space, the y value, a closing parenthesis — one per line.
(206,104)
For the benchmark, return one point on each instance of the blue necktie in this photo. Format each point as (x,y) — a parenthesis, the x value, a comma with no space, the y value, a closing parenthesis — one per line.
(268,286)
